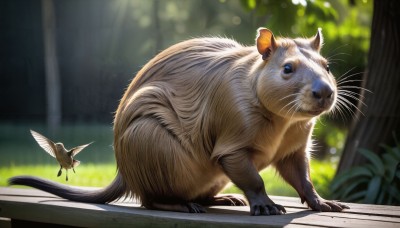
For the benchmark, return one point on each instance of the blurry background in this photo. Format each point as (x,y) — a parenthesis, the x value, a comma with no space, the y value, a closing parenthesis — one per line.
(65,64)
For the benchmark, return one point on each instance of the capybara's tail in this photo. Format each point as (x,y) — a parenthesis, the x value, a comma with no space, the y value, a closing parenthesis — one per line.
(112,192)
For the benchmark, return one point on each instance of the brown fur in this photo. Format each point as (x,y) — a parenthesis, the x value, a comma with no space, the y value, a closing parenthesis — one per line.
(208,111)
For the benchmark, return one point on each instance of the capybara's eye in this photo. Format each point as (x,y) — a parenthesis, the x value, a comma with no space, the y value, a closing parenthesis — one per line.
(287,68)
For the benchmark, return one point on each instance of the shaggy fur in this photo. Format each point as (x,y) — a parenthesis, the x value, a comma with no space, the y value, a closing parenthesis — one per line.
(208,111)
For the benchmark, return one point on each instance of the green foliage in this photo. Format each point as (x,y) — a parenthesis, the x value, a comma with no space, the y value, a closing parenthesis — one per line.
(330,134)
(89,175)
(322,172)
(274,184)
(22,156)
(346,28)
(377,182)
(18,148)
(101,175)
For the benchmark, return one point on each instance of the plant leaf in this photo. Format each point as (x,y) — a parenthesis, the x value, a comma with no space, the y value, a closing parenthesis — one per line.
(390,166)
(386,147)
(356,196)
(395,193)
(382,194)
(358,171)
(395,151)
(375,160)
(344,192)
(373,189)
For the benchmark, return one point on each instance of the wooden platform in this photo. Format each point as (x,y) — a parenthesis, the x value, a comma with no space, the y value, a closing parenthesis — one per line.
(21,207)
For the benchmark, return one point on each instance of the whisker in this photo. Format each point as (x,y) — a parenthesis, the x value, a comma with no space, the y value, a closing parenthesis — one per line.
(351,104)
(295,110)
(340,53)
(356,87)
(336,111)
(321,121)
(343,77)
(333,61)
(294,107)
(360,96)
(290,103)
(342,82)
(348,78)
(347,91)
(341,46)
(347,94)
(339,110)
(290,95)
(342,85)
(293,104)
(343,107)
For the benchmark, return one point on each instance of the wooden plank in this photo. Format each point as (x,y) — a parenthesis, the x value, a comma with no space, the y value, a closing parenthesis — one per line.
(34,205)
(24,192)
(5,222)
(370,209)
(27,191)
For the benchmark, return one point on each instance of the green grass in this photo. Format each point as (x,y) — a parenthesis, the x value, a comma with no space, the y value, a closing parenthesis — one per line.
(20,155)
(100,175)
(91,175)
(321,173)
(17,146)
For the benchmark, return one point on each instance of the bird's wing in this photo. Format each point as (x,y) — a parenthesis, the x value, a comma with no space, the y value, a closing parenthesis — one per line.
(76,150)
(75,163)
(45,143)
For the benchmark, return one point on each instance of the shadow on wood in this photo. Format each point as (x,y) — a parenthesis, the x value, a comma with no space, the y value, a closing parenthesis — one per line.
(23,206)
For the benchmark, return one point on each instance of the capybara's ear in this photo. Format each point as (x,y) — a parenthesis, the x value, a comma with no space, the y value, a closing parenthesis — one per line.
(317,41)
(265,42)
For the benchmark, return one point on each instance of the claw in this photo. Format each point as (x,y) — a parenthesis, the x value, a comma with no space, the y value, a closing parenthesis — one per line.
(274,209)
(327,205)
(255,211)
(195,208)
(280,208)
(226,200)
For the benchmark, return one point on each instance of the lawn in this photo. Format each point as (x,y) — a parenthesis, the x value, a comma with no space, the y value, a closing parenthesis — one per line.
(22,156)
(100,175)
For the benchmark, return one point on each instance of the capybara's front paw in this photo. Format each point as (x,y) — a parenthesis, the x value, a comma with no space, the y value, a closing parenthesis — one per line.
(267,209)
(319,204)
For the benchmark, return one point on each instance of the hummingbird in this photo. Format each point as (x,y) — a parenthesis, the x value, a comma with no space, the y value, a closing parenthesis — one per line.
(57,150)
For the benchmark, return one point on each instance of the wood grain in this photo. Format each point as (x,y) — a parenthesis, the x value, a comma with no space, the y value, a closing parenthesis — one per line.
(37,206)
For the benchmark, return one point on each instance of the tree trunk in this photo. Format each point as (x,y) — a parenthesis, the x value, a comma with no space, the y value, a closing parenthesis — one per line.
(381,114)
(53,94)
(157,26)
